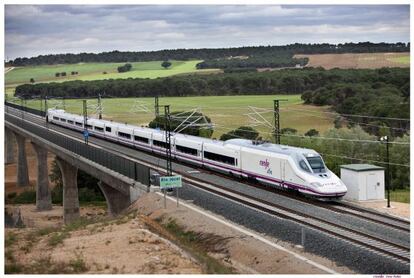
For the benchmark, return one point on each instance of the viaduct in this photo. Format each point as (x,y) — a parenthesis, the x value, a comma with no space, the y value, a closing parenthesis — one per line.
(122,181)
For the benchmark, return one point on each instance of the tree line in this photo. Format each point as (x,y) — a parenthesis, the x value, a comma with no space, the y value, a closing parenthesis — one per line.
(385,99)
(277,59)
(209,53)
(382,93)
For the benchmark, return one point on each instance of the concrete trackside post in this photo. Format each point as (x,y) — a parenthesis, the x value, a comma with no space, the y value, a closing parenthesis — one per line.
(43,194)
(117,201)
(9,146)
(22,170)
(70,191)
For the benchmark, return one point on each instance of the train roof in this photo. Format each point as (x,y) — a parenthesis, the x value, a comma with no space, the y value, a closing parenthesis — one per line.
(269,147)
(154,130)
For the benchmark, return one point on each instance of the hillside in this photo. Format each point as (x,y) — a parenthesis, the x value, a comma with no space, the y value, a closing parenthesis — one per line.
(358,60)
(95,71)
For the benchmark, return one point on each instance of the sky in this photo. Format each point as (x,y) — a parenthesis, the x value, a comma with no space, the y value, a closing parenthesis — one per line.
(32,30)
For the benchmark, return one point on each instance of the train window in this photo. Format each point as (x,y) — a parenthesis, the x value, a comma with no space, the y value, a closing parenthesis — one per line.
(55,118)
(141,139)
(78,124)
(220,158)
(304,166)
(70,122)
(316,164)
(89,126)
(124,135)
(63,120)
(97,128)
(187,150)
(159,144)
(108,129)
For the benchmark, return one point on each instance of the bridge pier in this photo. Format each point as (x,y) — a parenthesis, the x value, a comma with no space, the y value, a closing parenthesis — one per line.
(22,170)
(8,147)
(70,191)
(116,200)
(43,194)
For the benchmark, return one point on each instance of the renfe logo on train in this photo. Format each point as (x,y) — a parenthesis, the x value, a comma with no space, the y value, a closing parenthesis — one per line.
(266,165)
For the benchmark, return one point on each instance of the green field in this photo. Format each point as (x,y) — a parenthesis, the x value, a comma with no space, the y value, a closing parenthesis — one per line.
(226,112)
(94,71)
(402,60)
(400,195)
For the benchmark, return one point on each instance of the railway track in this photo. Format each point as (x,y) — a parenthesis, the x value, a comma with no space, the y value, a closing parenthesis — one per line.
(378,245)
(336,206)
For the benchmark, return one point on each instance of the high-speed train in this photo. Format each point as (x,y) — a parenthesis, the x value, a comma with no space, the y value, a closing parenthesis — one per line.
(299,169)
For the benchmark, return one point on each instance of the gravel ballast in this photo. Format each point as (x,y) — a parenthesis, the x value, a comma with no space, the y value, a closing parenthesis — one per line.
(343,253)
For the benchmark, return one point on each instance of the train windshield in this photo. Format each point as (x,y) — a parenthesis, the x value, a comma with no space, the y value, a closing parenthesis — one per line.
(316,163)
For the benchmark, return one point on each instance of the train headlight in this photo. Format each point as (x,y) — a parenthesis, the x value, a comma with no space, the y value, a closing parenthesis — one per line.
(316,184)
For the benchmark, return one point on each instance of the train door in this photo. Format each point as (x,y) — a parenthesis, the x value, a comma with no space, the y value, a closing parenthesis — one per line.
(287,173)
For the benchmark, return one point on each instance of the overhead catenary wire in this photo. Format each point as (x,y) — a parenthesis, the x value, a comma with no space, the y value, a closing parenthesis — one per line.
(345,119)
(348,157)
(363,159)
(327,138)
(354,115)
(310,113)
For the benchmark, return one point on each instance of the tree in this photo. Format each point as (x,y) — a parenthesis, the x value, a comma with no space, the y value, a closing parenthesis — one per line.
(244,132)
(87,185)
(125,68)
(166,64)
(32,80)
(288,130)
(177,119)
(338,122)
(63,73)
(312,132)
(57,74)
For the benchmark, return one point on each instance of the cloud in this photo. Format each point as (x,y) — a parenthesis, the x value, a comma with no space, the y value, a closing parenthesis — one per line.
(42,29)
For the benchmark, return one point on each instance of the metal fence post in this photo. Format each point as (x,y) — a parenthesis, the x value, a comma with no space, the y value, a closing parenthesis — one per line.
(303,237)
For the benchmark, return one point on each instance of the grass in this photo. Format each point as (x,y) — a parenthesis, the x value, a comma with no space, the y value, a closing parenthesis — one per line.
(45,265)
(400,195)
(25,197)
(226,112)
(402,60)
(199,245)
(57,238)
(94,71)
(11,238)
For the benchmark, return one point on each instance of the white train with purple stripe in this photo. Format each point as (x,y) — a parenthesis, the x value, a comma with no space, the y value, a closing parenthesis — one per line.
(288,167)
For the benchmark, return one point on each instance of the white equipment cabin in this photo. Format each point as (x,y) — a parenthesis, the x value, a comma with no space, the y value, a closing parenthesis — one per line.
(364,182)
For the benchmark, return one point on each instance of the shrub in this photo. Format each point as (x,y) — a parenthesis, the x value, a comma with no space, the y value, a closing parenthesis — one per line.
(166,64)
(245,132)
(312,132)
(124,68)
(26,197)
